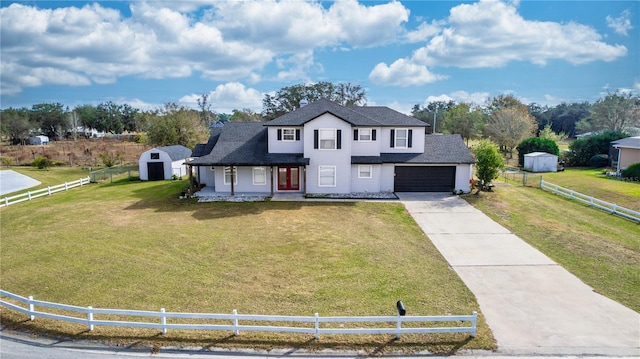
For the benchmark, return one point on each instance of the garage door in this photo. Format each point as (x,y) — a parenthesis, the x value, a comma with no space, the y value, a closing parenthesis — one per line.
(425,179)
(155,171)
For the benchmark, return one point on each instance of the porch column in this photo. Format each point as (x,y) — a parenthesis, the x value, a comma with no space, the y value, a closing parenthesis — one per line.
(190,179)
(233,179)
(271,179)
(304,179)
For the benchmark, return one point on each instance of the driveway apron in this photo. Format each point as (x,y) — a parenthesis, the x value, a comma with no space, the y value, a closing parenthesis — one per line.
(532,304)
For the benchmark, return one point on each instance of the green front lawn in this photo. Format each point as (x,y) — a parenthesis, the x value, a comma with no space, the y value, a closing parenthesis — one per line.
(135,245)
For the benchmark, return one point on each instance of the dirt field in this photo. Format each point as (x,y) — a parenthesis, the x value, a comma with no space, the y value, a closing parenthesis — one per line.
(79,153)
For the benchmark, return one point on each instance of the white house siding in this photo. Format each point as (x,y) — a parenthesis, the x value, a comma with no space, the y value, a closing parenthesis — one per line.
(464,173)
(366,184)
(341,158)
(206,175)
(387,174)
(417,140)
(276,146)
(244,181)
(366,148)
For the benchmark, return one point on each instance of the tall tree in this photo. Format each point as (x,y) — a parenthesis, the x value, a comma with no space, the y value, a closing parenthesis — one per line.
(88,116)
(15,123)
(109,117)
(508,126)
(175,125)
(615,112)
(489,162)
(290,98)
(207,116)
(464,120)
(51,119)
(433,113)
(245,115)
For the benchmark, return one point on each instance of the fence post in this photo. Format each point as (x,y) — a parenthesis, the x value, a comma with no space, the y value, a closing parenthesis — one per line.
(29,195)
(235,323)
(31,308)
(90,318)
(66,186)
(163,321)
(398,326)
(6,201)
(49,190)
(317,327)
(474,323)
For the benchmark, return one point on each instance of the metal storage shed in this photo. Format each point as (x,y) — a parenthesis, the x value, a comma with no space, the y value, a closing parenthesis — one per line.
(163,162)
(540,162)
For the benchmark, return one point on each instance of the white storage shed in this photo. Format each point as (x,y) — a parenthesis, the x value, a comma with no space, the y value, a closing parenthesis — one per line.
(162,163)
(540,162)
(38,140)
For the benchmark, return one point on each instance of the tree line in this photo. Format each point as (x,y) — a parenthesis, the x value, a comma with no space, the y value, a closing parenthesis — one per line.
(504,119)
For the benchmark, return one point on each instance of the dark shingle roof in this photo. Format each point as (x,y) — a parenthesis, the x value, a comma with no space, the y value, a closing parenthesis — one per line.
(438,149)
(245,144)
(376,116)
(205,148)
(176,152)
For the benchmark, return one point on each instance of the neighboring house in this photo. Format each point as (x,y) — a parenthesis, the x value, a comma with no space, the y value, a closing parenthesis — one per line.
(163,163)
(38,140)
(626,152)
(540,162)
(324,147)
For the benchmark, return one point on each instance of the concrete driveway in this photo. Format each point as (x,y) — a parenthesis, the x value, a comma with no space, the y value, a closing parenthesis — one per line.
(532,304)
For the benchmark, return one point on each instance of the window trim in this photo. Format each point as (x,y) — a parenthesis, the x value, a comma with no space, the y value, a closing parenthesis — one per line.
(322,168)
(227,169)
(360,167)
(292,134)
(335,138)
(264,171)
(360,130)
(406,138)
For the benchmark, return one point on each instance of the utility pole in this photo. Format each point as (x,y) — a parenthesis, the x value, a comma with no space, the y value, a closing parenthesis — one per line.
(435,113)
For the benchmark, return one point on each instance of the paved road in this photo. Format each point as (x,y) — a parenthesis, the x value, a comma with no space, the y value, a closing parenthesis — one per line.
(531,304)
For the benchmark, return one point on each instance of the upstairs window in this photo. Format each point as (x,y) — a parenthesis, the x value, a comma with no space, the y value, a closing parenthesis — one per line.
(401,138)
(288,134)
(327,139)
(364,134)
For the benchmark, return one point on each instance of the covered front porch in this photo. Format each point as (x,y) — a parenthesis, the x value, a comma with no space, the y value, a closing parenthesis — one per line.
(209,194)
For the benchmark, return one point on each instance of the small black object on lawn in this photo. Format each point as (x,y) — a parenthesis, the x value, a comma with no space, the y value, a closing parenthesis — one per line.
(401,310)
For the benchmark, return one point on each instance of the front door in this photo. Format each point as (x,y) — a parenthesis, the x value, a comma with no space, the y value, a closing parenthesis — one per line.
(288,178)
(155,171)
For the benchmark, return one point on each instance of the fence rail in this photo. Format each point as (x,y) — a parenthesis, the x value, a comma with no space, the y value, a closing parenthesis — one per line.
(313,322)
(591,201)
(43,192)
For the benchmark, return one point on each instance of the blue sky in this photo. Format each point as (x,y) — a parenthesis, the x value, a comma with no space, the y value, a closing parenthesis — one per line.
(146,53)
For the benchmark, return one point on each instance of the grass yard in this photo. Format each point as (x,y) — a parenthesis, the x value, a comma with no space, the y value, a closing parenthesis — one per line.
(594,183)
(134,245)
(601,249)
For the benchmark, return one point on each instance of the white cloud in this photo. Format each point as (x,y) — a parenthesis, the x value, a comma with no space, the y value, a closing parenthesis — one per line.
(221,40)
(477,98)
(227,97)
(492,34)
(621,24)
(423,32)
(403,73)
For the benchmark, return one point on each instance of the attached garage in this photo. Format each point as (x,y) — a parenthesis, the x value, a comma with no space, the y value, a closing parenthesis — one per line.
(424,178)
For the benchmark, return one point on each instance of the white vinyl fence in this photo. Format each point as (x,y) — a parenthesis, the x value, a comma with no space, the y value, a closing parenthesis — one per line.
(313,323)
(28,196)
(591,201)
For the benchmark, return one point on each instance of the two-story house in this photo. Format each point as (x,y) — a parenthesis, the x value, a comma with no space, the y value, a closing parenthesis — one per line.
(324,147)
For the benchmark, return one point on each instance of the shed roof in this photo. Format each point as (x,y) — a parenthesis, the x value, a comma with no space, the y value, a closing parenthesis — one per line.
(539,154)
(176,152)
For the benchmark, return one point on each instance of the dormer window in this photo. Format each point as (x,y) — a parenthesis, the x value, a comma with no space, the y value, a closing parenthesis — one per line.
(288,134)
(401,138)
(364,134)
